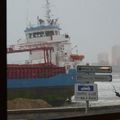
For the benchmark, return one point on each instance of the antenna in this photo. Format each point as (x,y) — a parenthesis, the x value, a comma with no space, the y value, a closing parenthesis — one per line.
(48,11)
(27,13)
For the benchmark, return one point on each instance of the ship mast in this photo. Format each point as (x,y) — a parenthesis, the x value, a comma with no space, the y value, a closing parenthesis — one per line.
(48,11)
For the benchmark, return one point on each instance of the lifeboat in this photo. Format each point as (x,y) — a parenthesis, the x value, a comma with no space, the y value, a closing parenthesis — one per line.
(76,57)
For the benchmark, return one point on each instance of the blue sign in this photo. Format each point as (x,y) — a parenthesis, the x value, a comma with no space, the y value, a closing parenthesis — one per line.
(85,88)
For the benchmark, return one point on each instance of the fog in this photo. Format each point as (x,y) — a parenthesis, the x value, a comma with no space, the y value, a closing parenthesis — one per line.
(93,25)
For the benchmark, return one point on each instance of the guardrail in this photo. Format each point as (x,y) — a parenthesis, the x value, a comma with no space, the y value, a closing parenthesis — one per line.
(62,112)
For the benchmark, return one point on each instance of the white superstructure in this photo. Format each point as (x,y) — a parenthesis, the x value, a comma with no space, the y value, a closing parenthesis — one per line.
(46,34)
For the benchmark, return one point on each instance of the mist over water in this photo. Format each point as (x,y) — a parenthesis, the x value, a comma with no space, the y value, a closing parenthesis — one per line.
(93,25)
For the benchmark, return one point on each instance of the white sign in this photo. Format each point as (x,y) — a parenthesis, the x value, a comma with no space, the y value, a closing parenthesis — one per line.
(85,92)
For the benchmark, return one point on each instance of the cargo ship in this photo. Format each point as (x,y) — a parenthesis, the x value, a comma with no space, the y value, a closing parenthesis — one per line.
(50,71)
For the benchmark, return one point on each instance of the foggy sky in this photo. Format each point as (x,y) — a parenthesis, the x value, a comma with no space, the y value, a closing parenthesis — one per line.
(94,25)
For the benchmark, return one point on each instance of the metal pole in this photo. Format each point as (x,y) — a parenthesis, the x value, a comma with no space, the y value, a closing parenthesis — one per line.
(87,106)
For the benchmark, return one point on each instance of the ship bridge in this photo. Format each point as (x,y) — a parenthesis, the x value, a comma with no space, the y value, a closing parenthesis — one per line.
(42,31)
(42,27)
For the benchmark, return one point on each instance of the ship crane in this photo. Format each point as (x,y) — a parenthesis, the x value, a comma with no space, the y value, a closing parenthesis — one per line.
(32,47)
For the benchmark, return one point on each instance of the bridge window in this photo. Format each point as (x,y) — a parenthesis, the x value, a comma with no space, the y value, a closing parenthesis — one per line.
(30,35)
(37,34)
(49,33)
(34,35)
(41,34)
(56,32)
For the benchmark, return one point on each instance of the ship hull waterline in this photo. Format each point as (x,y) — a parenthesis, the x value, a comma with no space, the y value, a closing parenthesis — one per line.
(55,90)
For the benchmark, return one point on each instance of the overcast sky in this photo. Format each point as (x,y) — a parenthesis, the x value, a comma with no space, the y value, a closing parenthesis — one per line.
(94,25)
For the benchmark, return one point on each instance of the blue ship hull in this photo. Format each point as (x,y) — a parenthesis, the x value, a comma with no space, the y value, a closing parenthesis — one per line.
(58,80)
(55,90)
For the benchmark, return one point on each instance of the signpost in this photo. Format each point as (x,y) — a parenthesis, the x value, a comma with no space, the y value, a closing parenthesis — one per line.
(94,73)
(85,92)
(85,89)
